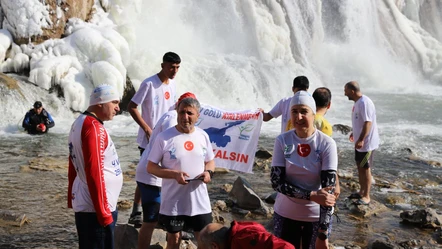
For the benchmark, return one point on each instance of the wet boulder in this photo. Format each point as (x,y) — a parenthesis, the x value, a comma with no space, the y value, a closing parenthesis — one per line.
(226,188)
(126,237)
(426,218)
(344,129)
(217,217)
(11,218)
(220,205)
(129,92)
(270,198)
(246,198)
(363,209)
(384,244)
(263,154)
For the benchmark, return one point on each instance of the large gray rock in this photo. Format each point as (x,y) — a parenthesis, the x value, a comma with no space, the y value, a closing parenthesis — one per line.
(344,129)
(126,236)
(384,244)
(270,198)
(427,218)
(246,198)
(263,154)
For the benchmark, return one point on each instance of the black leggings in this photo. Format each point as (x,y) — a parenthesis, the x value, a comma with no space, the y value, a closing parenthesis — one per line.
(295,232)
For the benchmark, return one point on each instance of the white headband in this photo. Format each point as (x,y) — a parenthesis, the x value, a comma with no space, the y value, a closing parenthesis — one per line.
(103,94)
(303,98)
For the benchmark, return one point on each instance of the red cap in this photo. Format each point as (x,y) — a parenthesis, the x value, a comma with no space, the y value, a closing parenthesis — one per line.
(184,96)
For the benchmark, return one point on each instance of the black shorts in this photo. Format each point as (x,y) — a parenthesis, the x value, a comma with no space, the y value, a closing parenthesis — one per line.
(175,224)
(364,159)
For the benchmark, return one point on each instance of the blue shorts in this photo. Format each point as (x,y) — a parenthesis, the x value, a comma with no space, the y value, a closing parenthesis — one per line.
(151,200)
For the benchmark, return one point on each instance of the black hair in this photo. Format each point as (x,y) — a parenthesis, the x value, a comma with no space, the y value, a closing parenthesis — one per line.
(171,57)
(38,104)
(301,82)
(322,97)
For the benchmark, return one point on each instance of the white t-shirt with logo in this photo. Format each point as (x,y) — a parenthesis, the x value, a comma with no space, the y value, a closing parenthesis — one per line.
(304,159)
(169,119)
(187,153)
(282,108)
(155,99)
(364,110)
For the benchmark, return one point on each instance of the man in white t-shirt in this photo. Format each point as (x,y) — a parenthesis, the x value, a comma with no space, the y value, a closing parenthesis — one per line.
(95,176)
(150,185)
(283,106)
(187,165)
(156,95)
(365,137)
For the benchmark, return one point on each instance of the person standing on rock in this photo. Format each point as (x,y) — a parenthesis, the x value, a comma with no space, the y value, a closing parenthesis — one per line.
(183,156)
(95,176)
(156,95)
(304,167)
(365,137)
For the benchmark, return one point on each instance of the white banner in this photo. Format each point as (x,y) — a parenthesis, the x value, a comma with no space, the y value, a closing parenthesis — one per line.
(234,136)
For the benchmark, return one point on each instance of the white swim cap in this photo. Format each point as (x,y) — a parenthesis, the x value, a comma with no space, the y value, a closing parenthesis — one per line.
(303,98)
(103,94)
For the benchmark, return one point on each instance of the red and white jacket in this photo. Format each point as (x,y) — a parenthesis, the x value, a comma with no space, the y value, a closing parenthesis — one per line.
(95,175)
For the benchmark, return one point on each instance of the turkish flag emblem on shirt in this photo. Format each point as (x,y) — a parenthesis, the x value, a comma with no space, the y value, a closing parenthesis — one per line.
(188,145)
(304,150)
(166,95)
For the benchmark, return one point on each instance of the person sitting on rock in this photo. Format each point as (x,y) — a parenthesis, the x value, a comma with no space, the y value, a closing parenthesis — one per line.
(37,120)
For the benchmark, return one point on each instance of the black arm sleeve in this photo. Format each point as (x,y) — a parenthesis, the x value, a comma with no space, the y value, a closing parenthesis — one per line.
(328,178)
(277,176)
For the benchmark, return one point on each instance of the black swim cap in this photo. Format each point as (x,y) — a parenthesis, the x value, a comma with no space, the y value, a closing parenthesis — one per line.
(38,104)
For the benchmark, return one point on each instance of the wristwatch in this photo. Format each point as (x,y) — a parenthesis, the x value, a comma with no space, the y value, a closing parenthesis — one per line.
(210,172)
(323,235)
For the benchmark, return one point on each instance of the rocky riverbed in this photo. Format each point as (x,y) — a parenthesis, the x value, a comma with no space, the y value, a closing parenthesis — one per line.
(33,183)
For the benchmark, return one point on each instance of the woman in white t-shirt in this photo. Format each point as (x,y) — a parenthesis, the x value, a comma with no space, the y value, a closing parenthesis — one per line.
(304,167)
(187,165)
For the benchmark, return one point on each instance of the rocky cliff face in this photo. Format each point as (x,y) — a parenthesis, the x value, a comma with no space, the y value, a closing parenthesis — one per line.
(54,18)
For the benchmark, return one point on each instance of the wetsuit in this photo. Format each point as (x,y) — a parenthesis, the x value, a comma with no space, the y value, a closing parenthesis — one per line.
(32,119)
